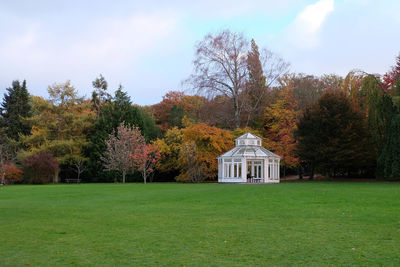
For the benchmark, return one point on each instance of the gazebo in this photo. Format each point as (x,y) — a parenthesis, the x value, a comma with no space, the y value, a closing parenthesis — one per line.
(248,162)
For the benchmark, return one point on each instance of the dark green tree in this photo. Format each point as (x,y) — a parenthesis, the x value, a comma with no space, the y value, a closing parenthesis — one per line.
(119,109)
(14,109)
(332,136)
(175,117)
(389,159)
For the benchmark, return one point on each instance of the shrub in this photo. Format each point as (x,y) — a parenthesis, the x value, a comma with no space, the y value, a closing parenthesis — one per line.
(40,168)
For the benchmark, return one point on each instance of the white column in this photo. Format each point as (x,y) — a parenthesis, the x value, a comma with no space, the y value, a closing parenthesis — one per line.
(265,170)
(279,170)
(244,170)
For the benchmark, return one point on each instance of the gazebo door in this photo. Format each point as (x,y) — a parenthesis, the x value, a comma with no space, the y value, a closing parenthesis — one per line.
(255,168)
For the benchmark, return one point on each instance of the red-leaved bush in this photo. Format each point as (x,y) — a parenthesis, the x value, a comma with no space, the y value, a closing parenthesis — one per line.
(40,168)
(12,173)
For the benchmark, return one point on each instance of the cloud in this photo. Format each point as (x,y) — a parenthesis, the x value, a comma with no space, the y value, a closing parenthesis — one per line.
(54,52)
(304,30)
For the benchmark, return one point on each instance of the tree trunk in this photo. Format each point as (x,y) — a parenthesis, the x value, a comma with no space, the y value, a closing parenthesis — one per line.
(123,176)
(300,171)
(144,177)
(3,171)
(312,171)
(3,178)
(237,114)
(56,178)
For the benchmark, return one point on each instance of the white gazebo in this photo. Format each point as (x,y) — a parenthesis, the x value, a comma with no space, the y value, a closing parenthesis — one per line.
(248,162)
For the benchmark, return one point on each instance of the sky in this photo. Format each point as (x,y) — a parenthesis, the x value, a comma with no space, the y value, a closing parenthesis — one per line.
(148,46)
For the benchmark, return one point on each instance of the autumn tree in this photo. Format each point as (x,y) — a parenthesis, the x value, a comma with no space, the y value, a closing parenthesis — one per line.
(59,126)
(264,70)
(280,123)
(119,147)
(14,108)
(210,142)
(190,162)
(307,89)
(162,110)
(146,159)
(220,68)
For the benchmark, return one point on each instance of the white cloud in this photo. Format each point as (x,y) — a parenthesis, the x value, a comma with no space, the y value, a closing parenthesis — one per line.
(112,46)
(303,31)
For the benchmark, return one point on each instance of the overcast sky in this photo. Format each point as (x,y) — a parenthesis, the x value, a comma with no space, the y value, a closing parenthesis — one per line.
(148,46)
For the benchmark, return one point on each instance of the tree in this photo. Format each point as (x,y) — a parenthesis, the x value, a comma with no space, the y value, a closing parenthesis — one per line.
(391,78)
(14,109)
(176,115)
(119,147)
(162,111)
(378,109)
(169,147)
(255,87)
(280,123)
(79,164)
(119,109)
(264,70)
(220,68)
(100,95)
(332,136)
(59,126)
(146,159)
(389,159)
(7,156)
(191,162)
(39,168)
(210,142)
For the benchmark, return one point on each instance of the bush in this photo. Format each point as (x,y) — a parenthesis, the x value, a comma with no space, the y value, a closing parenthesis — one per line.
(13,174)
(40,168)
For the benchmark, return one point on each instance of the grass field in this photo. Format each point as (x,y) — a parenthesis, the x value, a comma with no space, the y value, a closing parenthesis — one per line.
(312,223)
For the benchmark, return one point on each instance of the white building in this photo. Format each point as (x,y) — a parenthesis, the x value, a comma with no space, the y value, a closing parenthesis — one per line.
(248,162)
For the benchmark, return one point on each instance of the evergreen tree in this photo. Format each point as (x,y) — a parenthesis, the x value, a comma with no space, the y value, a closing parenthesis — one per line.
(389,159)
(332,136)
(176,115)
(14,109)
(120,109)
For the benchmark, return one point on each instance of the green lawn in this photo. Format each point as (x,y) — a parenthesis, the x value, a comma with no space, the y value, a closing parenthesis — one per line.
(311,223)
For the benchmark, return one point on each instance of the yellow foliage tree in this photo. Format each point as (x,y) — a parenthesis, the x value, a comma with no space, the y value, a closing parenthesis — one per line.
(280,122)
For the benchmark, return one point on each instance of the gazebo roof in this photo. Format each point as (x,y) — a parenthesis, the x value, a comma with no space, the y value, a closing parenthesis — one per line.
(248,135)
(248,151)
(248,145)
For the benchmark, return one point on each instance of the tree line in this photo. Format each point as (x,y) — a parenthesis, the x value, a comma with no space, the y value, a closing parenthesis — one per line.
(332,125)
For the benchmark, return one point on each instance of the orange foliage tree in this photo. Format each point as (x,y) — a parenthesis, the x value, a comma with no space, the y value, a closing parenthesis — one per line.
(280,122)
(209,142)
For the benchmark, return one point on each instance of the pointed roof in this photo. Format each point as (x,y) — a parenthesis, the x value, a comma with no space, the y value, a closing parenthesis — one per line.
(248,151)
(248,145)
(248,135)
